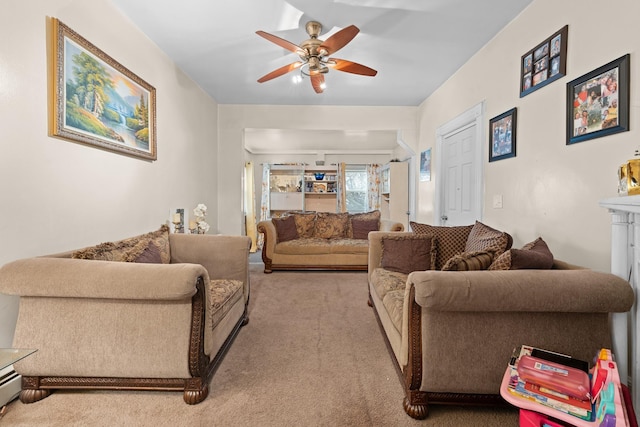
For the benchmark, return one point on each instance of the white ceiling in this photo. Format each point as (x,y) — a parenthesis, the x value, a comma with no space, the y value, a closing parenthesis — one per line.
(415,45)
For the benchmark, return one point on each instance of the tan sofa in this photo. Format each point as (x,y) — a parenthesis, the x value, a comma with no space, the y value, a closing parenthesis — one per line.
(451,333)
(107,324)
(320,241)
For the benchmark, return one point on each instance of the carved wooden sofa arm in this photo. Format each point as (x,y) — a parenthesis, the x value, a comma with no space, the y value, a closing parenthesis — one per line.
(118,325)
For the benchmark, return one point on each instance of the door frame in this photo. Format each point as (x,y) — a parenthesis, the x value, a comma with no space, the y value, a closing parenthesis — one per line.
(474,115)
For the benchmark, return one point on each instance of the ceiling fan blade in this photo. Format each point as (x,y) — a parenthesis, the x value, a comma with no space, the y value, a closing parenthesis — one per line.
(280,71)
(340,39)
(351,67)
(280,42)
(317,81)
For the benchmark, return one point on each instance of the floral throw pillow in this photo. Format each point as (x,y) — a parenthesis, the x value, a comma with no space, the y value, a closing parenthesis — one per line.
(331,225)
(149,247)
(305,223)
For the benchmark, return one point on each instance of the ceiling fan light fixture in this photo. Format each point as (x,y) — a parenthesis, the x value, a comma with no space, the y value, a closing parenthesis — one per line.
(314,56)
(311,68)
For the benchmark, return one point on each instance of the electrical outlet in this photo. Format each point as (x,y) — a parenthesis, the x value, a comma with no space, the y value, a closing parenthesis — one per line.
(497,201)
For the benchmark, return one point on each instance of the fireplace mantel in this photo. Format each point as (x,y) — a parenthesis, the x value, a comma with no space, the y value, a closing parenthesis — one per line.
(625,263)
(629,204)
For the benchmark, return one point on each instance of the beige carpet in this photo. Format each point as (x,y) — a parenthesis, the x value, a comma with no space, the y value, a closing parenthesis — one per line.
(311,355)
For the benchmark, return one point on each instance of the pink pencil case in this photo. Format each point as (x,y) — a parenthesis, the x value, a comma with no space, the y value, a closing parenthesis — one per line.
(560,378)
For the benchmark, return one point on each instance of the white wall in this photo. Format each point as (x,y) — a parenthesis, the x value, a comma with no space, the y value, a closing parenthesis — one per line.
(550,189)
(234,118)
(58,195)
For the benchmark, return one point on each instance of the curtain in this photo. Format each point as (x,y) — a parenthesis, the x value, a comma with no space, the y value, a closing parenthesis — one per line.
(373,192)
(250,205)
(341,188)
(264,202)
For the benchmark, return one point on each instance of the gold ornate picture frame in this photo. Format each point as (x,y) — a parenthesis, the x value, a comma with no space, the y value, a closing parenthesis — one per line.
(94,100)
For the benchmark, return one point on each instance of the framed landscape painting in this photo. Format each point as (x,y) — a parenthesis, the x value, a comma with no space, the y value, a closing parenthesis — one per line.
(96,101)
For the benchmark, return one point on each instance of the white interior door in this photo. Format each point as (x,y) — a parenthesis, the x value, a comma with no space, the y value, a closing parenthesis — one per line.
(458,196)
(459,191)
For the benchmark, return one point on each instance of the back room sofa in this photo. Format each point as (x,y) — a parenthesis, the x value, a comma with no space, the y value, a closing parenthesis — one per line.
(320,241)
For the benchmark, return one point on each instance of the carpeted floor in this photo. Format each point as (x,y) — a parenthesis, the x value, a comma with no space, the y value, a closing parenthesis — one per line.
(311,355)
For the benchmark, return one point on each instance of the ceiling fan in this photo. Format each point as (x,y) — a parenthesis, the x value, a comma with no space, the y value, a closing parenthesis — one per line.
(314,55)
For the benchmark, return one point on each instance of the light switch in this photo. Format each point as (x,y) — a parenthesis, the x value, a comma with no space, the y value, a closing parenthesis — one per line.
(497,201)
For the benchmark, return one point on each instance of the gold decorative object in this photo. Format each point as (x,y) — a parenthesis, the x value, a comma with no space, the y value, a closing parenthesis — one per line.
(629,177)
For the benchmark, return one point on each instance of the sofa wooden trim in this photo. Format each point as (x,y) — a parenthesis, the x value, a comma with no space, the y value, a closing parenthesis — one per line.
(416,402)
(195,389)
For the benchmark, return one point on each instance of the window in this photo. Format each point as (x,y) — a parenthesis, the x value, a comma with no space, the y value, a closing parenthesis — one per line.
(356,188)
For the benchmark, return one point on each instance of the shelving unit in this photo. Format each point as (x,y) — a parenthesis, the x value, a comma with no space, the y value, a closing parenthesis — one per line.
(298,188)
(320,194)
(285,189)
(395,192)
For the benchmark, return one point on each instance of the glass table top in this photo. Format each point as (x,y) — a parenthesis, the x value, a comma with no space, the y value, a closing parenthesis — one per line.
(9,356)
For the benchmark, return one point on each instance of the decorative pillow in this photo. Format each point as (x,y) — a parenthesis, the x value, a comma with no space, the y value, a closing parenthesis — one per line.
(450,240)
(533,255)
(285,228)
(305,222)
(468,261)
(373,215)
(150,255)
(487,239)
(362,227)
(408,253)
(160,239)
(331,225)
(131,249)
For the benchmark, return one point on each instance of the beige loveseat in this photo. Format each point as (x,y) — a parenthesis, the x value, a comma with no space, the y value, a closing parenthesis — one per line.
(320,241)
(162,321)
(452,332)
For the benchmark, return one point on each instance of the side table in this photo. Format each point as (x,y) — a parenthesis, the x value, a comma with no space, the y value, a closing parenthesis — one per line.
(9,356)
(10,384)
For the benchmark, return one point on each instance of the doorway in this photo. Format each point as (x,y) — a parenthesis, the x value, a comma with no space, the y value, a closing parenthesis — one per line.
(459,156)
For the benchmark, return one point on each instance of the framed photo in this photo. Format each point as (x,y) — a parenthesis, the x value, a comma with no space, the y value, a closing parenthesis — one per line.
(94,100)
(544,63)
(598,102)
(425,165)
(502,136)
(319,187)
